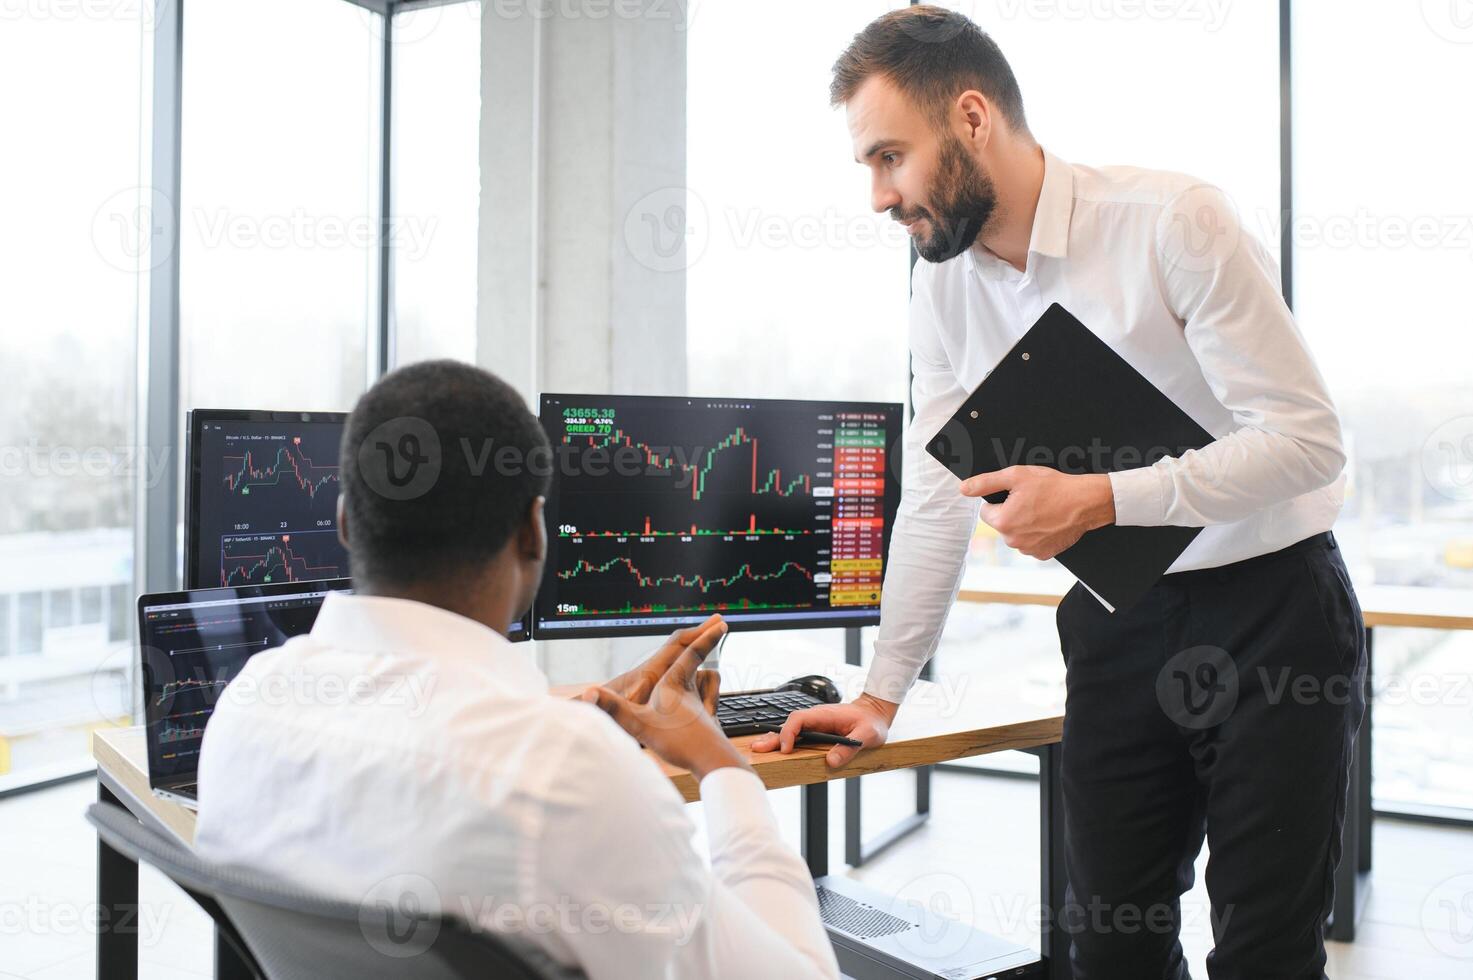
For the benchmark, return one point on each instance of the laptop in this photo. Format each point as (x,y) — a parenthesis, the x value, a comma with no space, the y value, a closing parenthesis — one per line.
(193,644)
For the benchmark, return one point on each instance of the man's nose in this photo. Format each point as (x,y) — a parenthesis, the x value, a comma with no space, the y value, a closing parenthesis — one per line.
(883,197)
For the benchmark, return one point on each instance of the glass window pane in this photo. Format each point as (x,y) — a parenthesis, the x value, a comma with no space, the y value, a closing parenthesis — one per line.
(60,608)
(1383,289)
(30,624)
(277,224)
(73,77)
(795,287)
(89,605)
(436,180)
(119,612)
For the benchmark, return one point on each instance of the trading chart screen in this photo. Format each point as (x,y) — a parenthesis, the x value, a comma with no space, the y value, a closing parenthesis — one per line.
(263,499)
(193,646)
(663,510)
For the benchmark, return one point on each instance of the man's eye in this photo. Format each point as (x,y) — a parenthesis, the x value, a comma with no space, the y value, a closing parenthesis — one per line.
(890,159)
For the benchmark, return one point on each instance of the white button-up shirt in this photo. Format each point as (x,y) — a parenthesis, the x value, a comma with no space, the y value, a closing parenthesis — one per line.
(1159,267)
(402,749)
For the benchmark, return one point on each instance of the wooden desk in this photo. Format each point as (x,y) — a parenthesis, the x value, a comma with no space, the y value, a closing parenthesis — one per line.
(928,730)
(1381,605)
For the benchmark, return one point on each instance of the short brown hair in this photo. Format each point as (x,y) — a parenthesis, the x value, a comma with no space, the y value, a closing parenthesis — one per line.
(932,55)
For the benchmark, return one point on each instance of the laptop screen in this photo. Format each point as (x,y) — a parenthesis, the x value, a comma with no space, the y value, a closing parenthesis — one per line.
(194,643)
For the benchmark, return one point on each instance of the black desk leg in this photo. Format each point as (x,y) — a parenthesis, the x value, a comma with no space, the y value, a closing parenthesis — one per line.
(1363,762)
(1053,886)
(814,818)
(117,903)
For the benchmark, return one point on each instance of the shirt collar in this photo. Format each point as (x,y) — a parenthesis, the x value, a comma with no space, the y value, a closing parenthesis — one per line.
(380,624)
(1050,235)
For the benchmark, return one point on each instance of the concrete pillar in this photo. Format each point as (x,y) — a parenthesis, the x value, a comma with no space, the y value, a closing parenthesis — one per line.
(581,259)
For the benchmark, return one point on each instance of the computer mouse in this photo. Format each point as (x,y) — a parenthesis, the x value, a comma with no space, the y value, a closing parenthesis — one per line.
(816,685)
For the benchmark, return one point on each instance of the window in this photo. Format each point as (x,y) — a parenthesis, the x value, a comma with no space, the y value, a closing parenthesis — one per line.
(1383,292)
(277,221)
(69,191)
(89,605)
(60,608)
(119,608)
(29,623)
(436,180)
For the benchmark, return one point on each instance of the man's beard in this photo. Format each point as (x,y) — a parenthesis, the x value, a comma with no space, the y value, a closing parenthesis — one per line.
(964,198)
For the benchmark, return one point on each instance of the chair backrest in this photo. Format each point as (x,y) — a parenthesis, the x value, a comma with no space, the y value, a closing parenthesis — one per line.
(293,934)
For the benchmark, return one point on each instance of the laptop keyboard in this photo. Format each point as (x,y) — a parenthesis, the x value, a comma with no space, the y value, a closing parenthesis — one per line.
(743,714)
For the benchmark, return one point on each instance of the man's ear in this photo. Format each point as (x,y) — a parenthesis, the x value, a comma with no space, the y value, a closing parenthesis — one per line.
(343,523)
(532,538)
(975,114)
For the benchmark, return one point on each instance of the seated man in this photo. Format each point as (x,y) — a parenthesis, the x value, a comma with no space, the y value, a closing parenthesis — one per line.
(405,750)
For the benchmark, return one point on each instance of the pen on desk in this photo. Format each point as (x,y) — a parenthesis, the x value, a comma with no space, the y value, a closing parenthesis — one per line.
(816,738)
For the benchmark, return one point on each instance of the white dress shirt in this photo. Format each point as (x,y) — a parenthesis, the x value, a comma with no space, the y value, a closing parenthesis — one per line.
(1159,267)
(402,749)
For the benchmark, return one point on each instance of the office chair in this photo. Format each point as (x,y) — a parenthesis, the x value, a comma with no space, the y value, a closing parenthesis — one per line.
(282,932)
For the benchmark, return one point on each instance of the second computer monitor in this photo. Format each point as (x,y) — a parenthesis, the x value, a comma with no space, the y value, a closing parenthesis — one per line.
(774,513)
(261,498)
(261,493)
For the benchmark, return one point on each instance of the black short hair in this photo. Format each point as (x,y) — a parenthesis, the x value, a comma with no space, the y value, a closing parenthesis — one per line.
(438,472)
(932,55)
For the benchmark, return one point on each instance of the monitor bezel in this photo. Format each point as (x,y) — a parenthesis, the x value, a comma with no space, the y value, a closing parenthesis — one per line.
(859,618)
(195,420)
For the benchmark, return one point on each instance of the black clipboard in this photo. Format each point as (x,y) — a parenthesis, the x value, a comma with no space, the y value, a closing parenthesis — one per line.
(1062,398)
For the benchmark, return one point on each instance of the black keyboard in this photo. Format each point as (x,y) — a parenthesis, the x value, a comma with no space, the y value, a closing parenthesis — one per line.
(743,714)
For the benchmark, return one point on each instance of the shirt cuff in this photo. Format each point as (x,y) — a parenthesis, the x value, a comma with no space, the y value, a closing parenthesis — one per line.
(735,803)
(888,680)
(1139,498)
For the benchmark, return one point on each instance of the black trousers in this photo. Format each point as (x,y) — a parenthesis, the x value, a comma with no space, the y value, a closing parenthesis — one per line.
(1225,703)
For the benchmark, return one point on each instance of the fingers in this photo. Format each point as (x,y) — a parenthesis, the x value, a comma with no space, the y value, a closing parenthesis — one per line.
(690,660)
(675,645)
(840,756)
(616,708)
(985,483)
(708,683)
(684,638)
(788,737)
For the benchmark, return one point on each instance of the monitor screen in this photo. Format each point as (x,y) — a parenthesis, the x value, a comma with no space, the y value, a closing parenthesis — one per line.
(262,498)
(194,643)
(663,510)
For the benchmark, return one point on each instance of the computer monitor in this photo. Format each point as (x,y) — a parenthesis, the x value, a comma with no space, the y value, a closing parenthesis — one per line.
(194,643)
(775,513)
(261,499)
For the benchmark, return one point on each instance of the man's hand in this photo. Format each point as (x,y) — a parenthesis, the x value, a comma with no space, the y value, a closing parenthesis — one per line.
(673,720)
(866,719)
(636,684)
(1046,511)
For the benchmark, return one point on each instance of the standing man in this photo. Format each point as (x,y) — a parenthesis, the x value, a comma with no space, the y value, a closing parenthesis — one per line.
(1181,719)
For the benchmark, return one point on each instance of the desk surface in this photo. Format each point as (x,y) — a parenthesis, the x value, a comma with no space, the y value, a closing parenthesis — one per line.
(1382,605)
(936,724)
